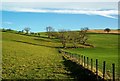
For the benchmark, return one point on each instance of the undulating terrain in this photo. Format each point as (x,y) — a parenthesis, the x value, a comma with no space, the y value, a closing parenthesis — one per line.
(27,57)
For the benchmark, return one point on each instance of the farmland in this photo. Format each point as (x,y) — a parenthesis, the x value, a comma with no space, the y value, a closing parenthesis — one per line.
(37,57)
(106,49)
(24,57)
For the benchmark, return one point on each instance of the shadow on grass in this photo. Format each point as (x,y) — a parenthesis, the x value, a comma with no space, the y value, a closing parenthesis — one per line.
(78,72)
(47,40)
(37,44)
(58,47)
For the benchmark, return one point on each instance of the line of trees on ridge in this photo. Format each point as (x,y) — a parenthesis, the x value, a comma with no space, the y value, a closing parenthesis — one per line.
(74,37)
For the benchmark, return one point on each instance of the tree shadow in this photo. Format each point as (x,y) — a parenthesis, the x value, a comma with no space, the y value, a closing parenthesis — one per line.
(36,44)
(78,72)
(58,47)
(47,40)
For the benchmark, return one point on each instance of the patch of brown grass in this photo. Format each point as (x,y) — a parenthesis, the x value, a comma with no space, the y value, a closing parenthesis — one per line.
(102,31)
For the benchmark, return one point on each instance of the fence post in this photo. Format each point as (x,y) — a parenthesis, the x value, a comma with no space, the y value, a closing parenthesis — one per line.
(91,64)
(72,55)
(87,62)
(84,61)
(79,58)
(104,64)
(113,73)
(75,56)
(97,69)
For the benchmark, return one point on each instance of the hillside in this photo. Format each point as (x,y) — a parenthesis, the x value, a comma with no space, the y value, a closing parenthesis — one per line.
(37,57)
(106,49)
(28,57)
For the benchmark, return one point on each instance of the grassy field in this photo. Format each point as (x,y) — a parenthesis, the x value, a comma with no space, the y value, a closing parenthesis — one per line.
(27,57)
(106,49)
(37,57)
(102,31)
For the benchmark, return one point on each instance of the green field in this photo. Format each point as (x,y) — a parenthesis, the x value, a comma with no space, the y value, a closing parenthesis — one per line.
(26,57)
(37,57)
(106,49)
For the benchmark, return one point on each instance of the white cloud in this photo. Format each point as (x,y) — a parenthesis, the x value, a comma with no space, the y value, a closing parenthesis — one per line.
(7,22)
(65,5)
(106,9)
(59,0)
(105,13)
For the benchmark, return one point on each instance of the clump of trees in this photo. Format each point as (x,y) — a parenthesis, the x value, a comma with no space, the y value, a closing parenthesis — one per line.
(8,30)
(67,36)
(74,37)
(107,30)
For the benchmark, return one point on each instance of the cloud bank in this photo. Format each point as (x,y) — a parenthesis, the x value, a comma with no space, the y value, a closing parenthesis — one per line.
(59,0)
(105,13)
(106,9)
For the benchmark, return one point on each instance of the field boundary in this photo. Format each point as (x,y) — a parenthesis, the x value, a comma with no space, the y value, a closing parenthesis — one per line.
(88,64)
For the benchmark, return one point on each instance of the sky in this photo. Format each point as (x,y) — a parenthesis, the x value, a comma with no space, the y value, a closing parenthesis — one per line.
(59,15)
(59,0)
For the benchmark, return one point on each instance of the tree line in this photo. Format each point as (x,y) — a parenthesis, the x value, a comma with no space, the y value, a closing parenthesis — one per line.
(66,36)
(25,31)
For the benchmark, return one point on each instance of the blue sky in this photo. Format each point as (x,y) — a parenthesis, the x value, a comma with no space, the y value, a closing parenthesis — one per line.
(59,15)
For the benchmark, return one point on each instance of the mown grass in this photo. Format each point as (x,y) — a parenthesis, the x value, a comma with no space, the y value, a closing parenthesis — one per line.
(24,57)
(106,49)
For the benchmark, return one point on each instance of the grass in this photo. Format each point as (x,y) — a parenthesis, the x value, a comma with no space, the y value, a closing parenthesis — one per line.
(26,58)
(106,49)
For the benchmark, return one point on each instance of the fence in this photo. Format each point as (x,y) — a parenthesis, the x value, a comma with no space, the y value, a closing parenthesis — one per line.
(88,63)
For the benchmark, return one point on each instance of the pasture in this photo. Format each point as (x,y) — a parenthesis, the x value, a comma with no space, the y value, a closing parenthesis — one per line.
(106,49)
(27,57)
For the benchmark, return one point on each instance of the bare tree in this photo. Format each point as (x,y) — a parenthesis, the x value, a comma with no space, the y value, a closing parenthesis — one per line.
(64,37)
(27,29)
(49,30)
(83,35)
(74,38)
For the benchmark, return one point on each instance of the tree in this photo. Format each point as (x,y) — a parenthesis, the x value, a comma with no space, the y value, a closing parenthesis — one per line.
(64,37)
(39,34)
(22,31)
(32,33)
(3,30)
(49,30)
(83,35)
(107,30)
(27,29)
(74,38)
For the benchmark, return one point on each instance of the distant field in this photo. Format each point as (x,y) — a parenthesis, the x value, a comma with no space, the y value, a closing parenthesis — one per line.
(106,49)
(27,57)
(102,31)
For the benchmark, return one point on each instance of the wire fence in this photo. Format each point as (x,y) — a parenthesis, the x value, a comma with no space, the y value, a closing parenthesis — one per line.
(94,66)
